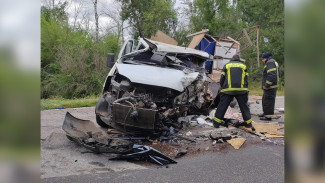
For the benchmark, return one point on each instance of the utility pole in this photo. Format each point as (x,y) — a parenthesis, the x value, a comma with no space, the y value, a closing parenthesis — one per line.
(257,46)
(96,20)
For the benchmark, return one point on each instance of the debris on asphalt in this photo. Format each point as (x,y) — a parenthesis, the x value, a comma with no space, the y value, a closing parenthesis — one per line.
(173,142)
(189,133)
(145,153)
(86,134)
(201,121)
(186,119)
(220,141)
(280,109)
(184,138)
(269,130)
(237,142)
(216,135)
(273,136)
(181,153)
(234,133)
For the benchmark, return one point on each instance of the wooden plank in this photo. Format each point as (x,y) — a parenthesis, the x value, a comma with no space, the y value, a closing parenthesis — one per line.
(164,38)
(248,46)
(207,40)
(196,40)
(237,142)
(233,40)
(247,37)
(240,32)
(244,35)
(265,128)
(197,33)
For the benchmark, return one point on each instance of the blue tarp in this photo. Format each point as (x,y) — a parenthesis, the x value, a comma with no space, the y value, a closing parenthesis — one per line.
(204,45)
(208,66)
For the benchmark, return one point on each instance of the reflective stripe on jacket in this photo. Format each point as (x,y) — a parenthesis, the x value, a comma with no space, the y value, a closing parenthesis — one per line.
(271,74)
(234,78)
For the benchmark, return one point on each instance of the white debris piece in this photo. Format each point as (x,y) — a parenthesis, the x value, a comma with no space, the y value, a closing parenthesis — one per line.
(201,121)
(212,114)
(280,109)
(189,133)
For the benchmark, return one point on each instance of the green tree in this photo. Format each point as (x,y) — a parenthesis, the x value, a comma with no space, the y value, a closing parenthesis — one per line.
(146,17)
(57,13)
(71,64)
(180,36)
(269,15)
(219,16)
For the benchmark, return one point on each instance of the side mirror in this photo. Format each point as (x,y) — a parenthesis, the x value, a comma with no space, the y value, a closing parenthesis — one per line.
(110,60)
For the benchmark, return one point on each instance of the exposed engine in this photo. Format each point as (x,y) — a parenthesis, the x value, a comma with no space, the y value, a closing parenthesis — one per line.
(154,108)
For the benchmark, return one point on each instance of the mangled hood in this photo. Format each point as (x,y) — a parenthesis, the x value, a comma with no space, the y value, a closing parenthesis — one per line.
(163,47)
(157,76)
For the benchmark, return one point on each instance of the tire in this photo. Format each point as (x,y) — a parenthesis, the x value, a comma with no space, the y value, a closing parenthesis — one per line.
(100,122)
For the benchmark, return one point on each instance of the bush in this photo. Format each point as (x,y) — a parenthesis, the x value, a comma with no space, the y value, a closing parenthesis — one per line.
(72,65)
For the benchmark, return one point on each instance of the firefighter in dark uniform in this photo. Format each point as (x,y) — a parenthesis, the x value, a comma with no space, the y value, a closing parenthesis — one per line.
(270,82)
(234,83)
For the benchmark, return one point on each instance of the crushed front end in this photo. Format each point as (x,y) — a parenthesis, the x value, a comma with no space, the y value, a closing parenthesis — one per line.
(149,90)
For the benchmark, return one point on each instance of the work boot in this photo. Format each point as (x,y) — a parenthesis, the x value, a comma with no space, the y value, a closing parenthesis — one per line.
(261,115)
(216,124)
(265,118)
(269,117)
(225,124)
(248,125)
(276,117)
(222,123)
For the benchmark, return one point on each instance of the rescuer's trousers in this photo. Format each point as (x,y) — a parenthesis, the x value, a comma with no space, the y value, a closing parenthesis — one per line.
(268,102)
(225,100)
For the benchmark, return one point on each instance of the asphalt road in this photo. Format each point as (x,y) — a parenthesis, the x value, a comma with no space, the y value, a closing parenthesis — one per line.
(255,163)
(63,161)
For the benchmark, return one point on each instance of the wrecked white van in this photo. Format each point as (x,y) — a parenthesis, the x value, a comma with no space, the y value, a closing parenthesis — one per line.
(149,87)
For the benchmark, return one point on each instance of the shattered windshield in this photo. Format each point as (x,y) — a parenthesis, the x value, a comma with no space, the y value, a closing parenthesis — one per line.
(178,61)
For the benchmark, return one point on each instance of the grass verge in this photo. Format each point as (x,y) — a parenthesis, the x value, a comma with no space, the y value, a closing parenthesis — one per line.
(259,92)
(255,89)
(55,103)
